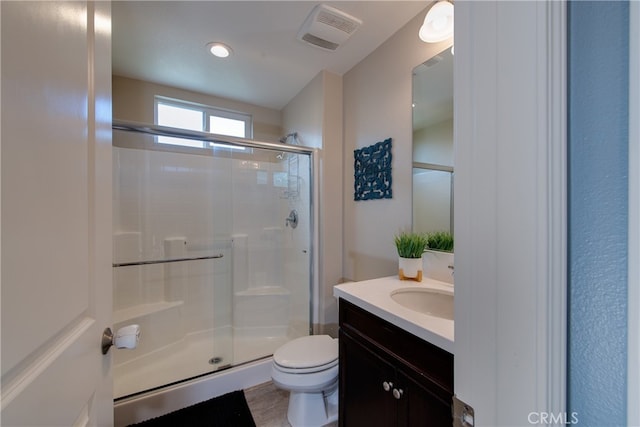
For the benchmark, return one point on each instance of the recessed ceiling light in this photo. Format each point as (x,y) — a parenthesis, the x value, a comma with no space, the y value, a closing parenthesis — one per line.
(220,50)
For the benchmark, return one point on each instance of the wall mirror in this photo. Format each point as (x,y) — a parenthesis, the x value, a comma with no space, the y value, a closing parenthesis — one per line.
(433,144)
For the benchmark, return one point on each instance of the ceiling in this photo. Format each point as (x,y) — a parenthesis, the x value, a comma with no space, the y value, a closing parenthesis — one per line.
(165,42)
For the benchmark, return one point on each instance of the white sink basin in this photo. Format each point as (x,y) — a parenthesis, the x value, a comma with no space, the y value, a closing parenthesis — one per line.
(426,301)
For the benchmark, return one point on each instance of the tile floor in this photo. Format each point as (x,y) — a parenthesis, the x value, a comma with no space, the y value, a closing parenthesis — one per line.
(268,405)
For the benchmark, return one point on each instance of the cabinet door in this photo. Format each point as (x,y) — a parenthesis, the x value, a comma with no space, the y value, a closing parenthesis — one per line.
(363,399)
(420,407)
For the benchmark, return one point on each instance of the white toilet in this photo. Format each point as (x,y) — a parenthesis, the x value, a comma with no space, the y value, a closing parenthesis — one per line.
(308,368)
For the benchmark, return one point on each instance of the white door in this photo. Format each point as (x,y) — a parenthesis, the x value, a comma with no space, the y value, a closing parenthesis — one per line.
(510,216)
(56,213)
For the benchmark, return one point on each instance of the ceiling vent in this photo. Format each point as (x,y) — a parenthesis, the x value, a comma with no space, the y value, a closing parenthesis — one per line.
(327,27)
(433,61)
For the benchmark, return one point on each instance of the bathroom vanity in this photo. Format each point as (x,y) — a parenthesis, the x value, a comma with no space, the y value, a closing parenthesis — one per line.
(396,363)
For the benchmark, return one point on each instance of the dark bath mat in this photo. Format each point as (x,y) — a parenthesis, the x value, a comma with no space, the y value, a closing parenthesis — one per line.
(229,410)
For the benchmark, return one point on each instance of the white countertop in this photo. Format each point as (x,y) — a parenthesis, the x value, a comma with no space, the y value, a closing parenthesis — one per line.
(375,297)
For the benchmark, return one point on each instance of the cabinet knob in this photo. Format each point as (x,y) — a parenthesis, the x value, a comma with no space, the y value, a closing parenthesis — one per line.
(387,385)
(397,393)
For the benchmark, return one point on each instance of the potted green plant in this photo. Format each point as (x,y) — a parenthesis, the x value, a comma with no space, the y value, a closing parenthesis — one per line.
(440,241)
(438,260)
(410,247)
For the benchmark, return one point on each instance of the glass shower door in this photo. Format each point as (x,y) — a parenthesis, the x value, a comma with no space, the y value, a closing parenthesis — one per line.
(172,262)
(271,251)
(212,256)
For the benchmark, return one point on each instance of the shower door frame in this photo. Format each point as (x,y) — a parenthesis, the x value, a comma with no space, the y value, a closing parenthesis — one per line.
(156,130)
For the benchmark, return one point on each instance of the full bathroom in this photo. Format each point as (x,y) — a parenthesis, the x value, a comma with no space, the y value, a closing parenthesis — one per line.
(509,319)
(244,252)
(247,233)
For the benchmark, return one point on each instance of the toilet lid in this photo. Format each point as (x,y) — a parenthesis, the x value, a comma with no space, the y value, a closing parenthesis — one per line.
(307,352)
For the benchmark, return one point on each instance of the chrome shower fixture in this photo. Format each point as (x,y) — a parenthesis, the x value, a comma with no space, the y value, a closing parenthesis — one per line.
(286,137)
(292,219)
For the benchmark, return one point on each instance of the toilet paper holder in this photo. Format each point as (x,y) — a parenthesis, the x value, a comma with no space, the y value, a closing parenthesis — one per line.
(126,337)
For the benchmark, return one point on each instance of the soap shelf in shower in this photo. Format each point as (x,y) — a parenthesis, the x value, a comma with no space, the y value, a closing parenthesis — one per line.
(165,261)
(140,310)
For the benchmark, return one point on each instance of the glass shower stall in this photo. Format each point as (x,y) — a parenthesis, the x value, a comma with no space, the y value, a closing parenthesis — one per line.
(212,252)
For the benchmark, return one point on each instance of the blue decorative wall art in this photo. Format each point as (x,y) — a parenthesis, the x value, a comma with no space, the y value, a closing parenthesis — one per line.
(372,171)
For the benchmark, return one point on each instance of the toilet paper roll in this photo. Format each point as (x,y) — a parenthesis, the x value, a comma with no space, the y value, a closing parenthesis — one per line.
(127,337)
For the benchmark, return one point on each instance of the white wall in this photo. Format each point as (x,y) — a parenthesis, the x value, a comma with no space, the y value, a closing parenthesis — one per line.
(303,114)
(377,105)
(331,203)
(316,114)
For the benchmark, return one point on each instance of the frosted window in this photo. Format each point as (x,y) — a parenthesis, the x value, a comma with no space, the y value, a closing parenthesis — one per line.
(179,117)
(225,126)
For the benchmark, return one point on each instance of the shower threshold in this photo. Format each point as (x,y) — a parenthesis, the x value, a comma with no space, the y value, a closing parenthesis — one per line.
(190,358)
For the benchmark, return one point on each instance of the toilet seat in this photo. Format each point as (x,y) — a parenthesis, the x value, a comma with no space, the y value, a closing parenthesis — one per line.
(308,354)
(310,370)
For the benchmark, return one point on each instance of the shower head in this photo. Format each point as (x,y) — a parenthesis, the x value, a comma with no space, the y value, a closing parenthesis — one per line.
(284,139)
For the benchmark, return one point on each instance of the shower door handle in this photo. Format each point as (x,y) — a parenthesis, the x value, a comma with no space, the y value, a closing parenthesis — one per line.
(292,219)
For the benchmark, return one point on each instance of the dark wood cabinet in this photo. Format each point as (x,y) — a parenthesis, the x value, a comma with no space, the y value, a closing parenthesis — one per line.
(389,377)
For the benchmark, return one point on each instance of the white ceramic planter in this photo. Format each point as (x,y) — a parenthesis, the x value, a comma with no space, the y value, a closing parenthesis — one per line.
(439,265)
(410,269)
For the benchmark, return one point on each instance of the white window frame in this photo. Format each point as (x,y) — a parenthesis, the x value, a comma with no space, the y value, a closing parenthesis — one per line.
(207,112)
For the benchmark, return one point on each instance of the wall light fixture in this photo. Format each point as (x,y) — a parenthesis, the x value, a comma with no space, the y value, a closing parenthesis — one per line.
(438,23)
